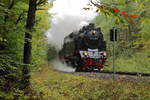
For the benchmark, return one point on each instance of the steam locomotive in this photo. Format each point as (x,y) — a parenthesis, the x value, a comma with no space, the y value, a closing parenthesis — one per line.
(85,49)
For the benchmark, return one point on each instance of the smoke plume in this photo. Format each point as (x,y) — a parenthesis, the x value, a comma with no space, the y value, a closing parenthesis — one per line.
(67,16)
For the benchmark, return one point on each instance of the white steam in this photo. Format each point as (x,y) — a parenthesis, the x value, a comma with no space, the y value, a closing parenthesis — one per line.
(68,16)
(58,65)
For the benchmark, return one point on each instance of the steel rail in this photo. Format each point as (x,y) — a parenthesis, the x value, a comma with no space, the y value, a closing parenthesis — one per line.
(126,73)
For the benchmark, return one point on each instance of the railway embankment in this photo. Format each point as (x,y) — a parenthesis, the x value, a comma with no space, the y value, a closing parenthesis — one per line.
(54,85)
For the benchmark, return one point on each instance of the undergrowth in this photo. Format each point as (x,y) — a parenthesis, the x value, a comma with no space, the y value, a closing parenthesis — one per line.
(131,61)
(52,85)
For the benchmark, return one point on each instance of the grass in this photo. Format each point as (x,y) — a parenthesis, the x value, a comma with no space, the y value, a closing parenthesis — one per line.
(138,61)
(54,85)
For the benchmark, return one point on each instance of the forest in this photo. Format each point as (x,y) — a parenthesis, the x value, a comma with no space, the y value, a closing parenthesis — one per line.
(25,52)
(22,27)
(132,18)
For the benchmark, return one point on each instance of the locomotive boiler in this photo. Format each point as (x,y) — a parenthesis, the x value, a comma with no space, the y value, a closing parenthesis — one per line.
(85,49)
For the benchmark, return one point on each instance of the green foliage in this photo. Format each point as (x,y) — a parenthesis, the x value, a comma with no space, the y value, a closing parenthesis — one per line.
(11,46)
(9,71)
(133,36)
(12,33)
(51,53)
(40,45)
(12,29)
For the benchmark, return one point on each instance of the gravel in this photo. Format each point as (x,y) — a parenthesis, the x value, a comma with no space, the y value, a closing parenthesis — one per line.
(126,78)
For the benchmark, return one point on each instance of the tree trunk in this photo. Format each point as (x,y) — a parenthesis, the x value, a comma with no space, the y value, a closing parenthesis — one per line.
(28,44)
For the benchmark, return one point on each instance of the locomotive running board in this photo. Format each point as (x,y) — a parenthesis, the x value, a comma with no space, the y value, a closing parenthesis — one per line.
(127,73)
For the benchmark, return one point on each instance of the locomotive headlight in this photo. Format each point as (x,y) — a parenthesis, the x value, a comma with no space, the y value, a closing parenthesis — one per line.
(104,53)
(94,32)
(85,53)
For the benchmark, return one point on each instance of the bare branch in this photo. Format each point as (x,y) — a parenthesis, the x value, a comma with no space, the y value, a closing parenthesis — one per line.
(20,17)
(41,2)
(95,4)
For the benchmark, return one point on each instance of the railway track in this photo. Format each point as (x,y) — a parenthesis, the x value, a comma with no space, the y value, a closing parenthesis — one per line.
(126,73)
(125,76)
(119,76)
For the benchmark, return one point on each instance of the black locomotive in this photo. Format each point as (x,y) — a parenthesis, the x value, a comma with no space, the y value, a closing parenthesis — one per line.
(85,49)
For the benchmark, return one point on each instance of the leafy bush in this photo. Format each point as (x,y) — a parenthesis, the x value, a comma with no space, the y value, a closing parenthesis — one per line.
(9,76)
(51,53)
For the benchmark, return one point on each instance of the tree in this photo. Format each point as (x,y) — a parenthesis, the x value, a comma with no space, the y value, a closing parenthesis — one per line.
(28,41)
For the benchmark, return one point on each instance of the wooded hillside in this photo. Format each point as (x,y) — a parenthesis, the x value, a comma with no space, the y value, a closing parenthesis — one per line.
(132,19)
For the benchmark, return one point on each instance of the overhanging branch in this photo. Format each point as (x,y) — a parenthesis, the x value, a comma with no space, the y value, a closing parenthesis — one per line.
(41,2)
(95,4)
(20,17)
